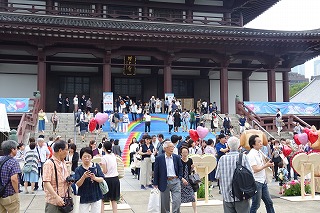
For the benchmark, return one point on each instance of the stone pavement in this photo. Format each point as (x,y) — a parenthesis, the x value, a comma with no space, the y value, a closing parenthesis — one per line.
(138,200)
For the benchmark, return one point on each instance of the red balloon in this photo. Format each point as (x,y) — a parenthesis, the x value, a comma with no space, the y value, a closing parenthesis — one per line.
(286,150)
(313,136)
(306,130)
(296,139)
(92,124)
(193,134)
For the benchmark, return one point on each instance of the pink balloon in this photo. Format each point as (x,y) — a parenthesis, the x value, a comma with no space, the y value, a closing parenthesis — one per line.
(20,104)
(101,118)
(202,132)
(303,138)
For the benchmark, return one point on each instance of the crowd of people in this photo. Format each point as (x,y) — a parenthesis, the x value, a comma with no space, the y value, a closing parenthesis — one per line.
(55,164)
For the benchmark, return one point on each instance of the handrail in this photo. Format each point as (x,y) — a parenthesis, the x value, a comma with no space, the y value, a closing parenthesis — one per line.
(105,13)
(301,121)
(254,121)
(28,122)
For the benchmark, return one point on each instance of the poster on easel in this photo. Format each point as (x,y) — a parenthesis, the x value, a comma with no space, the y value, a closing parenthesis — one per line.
(107,102)
(170,96)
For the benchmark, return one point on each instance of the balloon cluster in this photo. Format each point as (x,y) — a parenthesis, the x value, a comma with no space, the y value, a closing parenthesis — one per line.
(307,135)
(100,119)
(201,132)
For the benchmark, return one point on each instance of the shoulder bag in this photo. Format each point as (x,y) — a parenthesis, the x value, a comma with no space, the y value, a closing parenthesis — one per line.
(194,178)
(68,201)
(28,168)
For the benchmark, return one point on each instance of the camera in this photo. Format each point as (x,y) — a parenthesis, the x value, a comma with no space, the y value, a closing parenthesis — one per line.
(70,179)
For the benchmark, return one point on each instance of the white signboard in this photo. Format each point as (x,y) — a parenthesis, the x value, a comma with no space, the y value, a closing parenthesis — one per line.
(4,123)
(108,102)
(170,97)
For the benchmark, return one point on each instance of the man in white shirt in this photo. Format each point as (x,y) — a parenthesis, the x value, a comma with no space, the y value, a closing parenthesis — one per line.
(43,153)
(258,166)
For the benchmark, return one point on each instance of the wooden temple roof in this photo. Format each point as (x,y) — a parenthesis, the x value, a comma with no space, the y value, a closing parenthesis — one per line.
(292,47)
(173,30)
(252,9)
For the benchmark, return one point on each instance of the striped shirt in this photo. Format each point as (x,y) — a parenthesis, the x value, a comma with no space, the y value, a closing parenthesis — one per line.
(225,169)
(31,158)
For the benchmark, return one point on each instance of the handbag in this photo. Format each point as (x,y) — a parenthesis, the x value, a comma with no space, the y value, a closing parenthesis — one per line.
(153,158)
(68,201)
(104,187)
(154,201)
(194,178)
(26,168)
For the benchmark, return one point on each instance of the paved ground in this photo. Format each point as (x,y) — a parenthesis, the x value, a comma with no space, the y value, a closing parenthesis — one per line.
(138,200)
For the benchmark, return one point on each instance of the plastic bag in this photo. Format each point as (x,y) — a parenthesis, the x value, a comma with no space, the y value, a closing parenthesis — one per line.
(154,201)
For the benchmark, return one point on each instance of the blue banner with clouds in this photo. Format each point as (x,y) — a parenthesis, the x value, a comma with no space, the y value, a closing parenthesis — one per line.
(16,104)
(285,108)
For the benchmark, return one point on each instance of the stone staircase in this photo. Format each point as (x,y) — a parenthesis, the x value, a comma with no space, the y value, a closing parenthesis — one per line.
(66,129)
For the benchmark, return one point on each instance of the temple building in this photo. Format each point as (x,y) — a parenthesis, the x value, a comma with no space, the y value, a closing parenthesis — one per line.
(141,48)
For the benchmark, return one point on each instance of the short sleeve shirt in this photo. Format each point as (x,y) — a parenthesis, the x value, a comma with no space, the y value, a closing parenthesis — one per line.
(111,163)
(49,176)
(220,146)
(255,158)
(89,191)
(9,168)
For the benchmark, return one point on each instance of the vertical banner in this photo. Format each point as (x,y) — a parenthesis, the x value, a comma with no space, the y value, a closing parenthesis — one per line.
(15,104)
(4,123)
(108,102)
(170,96)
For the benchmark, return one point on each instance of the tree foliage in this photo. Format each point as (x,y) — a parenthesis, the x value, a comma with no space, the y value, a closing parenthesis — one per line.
(294,88)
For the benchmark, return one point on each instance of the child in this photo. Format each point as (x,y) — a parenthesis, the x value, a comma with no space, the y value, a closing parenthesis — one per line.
(282,176)
(125,122)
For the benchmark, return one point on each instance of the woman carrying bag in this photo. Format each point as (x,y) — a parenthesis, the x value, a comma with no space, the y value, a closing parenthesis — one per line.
(30,168)
(109,167)
(187,191)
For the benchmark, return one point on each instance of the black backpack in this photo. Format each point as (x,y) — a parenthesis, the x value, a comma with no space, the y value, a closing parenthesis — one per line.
(243,183)
(3,187)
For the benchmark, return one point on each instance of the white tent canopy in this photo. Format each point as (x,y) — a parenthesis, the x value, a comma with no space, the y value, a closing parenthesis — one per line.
(4,122)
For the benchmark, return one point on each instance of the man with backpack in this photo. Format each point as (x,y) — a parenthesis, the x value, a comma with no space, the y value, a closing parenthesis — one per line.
(9,181)
(225,173)
(258,165)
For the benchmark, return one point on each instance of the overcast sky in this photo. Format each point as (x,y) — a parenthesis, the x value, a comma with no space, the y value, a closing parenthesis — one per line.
(291,15)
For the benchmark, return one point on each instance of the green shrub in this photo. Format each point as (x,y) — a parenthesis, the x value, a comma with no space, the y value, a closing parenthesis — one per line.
(201,191)
(293,188)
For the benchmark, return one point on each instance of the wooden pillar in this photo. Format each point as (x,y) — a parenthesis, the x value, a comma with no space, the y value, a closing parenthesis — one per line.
(49,6)
(245,85)
(3,3)
(167,75)
(241,20)
(42,79)
(99,10)
(224,89)
(189,16)
(145,13)
(271,85)
(227,19)
(285,84)
(106,73)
